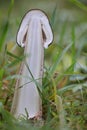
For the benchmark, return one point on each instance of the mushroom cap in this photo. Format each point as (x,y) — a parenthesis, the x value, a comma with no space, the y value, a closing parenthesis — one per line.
(46,29)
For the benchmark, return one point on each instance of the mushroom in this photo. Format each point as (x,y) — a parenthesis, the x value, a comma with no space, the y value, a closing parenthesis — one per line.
(34,35)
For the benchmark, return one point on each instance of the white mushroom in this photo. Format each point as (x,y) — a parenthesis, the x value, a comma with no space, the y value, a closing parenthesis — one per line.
(34,34)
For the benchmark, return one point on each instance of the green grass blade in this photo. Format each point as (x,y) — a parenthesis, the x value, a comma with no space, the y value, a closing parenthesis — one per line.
(79,4)
(34,80)
(15,61)
(4,33)
(53,16)
(14,56)
(10,8)
(6,26)
(62,33)
(59,58)
(73,54)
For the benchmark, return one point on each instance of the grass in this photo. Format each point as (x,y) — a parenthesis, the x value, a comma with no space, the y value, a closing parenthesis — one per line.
(65,78)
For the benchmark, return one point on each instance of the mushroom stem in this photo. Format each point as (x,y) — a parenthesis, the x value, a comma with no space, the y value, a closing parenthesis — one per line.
(30,35)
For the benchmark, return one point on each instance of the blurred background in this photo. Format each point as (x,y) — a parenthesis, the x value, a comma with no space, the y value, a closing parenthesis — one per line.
(66,57)
(62,15)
